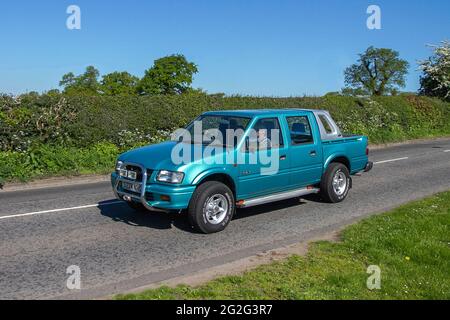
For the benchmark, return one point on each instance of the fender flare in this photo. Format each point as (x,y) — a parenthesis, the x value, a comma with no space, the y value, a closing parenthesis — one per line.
(209,172)
(334,156)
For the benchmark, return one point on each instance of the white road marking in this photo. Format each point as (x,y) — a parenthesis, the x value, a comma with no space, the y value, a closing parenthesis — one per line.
(447,150)
(391,160)
(59,210)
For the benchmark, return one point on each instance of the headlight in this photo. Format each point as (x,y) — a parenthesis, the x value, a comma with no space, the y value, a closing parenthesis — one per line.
(119,166)
(170,176)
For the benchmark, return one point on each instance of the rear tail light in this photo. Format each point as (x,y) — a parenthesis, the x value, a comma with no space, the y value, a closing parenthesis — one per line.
(367,151)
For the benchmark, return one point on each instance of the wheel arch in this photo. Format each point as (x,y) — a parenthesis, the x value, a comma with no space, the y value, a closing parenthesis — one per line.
(219,176)
(338,158)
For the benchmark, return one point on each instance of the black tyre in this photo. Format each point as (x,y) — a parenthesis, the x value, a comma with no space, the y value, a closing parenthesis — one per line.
(335,183)
(211,208)
(136,206)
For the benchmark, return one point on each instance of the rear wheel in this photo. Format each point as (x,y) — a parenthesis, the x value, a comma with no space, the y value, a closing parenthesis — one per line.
(211,207)
(335,183)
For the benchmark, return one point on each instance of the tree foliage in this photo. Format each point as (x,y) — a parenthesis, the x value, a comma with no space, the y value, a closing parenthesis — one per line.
(119,83)
(378,72)
(85,83)
(435,81)
(169,75)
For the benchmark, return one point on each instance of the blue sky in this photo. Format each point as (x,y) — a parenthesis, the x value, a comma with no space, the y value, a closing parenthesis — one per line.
(254,47)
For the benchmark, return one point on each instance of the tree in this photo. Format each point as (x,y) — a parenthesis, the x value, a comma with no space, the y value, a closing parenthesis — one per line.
(169,75)
(377,72)
(86,83)
(119,83)
(435,81)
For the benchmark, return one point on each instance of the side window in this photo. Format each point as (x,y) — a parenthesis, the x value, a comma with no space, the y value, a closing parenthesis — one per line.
(266,134)
(326,124)
(300,130)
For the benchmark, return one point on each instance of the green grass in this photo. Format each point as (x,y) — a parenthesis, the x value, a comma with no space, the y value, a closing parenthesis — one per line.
(411,245)
(47,161)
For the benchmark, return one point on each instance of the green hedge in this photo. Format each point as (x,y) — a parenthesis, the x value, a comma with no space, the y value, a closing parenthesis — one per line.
(82,121)
(54,134)
(383,119)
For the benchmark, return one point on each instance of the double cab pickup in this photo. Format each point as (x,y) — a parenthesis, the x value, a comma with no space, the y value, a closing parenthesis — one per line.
(224,160)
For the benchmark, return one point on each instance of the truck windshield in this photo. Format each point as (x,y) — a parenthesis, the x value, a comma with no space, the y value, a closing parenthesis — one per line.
(218,129)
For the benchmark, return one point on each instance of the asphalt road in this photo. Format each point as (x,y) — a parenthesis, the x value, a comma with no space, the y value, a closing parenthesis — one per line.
(44,231)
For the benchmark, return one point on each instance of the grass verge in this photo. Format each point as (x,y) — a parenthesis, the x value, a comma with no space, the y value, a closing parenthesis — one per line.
(410,244)
(52,161)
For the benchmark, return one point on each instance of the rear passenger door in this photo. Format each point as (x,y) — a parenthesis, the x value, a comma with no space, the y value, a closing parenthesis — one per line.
(305,150)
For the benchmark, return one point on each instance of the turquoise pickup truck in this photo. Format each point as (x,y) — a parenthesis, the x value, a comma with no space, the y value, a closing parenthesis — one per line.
(225,160)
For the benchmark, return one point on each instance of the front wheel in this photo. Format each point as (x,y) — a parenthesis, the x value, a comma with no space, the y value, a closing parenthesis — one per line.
(335,183)
(211,207)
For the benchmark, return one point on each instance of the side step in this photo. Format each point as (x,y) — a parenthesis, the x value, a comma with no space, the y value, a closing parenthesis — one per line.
(276,197)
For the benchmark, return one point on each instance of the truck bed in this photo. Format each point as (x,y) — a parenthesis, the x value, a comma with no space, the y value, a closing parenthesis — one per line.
(351,146)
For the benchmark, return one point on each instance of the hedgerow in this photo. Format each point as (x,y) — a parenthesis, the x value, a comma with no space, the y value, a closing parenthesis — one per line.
(53,133)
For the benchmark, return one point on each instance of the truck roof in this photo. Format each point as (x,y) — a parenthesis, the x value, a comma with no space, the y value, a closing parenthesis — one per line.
(259,112)
(318,115)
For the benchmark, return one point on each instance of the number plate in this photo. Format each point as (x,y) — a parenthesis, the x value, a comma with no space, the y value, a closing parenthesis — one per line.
(135,187)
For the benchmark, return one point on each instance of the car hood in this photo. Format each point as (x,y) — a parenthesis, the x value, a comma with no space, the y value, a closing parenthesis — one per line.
(159,156)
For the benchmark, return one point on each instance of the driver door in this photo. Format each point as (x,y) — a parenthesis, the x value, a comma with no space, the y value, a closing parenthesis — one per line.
(265,165)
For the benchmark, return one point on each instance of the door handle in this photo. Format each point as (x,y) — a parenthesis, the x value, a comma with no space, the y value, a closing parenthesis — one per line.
(313,153)
(283,157)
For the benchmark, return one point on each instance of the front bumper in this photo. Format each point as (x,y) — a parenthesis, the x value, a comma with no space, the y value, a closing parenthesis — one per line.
(179,196)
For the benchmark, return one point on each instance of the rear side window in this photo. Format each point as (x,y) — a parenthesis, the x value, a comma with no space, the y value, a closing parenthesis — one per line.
(300,130)
(326,124)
